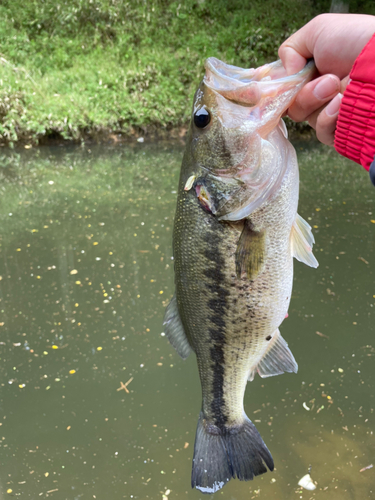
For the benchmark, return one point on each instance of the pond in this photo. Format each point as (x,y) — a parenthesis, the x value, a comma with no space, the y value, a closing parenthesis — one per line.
(96,404)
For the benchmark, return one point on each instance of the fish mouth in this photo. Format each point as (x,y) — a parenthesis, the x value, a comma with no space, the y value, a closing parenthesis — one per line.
(247,87)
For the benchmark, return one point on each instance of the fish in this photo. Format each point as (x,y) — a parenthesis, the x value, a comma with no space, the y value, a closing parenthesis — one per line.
(236,232)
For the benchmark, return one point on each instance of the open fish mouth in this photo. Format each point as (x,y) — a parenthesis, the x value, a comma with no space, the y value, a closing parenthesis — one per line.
(248,87)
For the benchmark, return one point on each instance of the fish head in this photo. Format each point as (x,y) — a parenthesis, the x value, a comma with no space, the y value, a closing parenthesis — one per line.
(235,111)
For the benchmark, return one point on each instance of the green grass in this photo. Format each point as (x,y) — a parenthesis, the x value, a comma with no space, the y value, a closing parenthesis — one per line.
(83,68)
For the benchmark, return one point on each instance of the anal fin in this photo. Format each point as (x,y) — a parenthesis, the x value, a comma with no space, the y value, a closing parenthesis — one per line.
(174,329)
(250,252)
(277,359)
(302,241)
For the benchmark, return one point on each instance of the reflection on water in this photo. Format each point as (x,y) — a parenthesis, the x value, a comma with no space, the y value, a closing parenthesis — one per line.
(95,403)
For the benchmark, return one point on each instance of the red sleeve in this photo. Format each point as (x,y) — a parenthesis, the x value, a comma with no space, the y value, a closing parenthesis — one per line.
(355,130)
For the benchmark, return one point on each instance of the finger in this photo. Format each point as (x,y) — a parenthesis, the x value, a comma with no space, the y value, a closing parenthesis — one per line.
(297,49)
(313,96)
(325,122)
(292,61)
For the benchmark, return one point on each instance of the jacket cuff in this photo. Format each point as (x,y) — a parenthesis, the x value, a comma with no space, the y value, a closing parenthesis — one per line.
(355,130)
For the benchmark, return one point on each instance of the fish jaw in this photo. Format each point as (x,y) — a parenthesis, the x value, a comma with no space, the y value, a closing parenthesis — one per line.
(268,91)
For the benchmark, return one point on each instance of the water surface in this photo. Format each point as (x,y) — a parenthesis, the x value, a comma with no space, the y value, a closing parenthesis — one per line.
(95,403)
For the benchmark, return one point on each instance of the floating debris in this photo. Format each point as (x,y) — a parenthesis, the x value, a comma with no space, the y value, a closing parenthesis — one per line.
(307,483)
(305,406)
(366,468)
(363,260)
(322,335)
(125,386)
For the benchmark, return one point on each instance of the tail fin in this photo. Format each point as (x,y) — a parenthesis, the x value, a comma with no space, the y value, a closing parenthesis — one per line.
(220,455)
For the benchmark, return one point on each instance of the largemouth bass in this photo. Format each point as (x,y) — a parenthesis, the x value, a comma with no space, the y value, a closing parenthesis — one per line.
(236,232)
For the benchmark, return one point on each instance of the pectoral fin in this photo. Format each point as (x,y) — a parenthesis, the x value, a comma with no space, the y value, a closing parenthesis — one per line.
(250,252)
(276,360)
(302,241)
(174,329)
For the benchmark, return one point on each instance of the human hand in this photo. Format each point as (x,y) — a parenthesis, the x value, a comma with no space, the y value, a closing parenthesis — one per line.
(334,41)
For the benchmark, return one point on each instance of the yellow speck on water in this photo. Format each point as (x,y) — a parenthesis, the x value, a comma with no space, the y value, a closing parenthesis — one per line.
(315,227)
(74,271)
(34,230)
(138,296)
(161,292)
(373,221)
(45,353)
(135,234)
(76,304)
(89,283)
(46,474)
(329,397)
(99,348)
(18,250)
(340,370)
(72,372)
(318,209)
(69,427)
(21,386)
(105,294)
(55,347)
(78,282)
(95,243)
(88,225)
(110,253)
(38,277)
(153,281)
(9,490)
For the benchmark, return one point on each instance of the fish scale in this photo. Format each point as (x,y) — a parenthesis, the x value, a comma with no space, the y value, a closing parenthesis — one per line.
(236,232)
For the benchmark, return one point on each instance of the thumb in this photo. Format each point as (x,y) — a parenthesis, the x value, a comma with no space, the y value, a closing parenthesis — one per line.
(299,47)
(292,60)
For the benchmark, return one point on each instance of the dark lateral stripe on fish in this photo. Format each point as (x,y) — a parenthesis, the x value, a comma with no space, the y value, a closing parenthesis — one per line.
(218,306)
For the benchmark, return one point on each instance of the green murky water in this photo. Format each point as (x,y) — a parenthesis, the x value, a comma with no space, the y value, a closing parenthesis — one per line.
(95,403)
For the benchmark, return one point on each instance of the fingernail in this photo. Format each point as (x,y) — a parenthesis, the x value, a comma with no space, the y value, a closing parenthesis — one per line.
(333,107)
(326,87)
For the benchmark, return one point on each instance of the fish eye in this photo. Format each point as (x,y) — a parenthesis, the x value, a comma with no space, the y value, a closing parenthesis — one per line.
(202,118)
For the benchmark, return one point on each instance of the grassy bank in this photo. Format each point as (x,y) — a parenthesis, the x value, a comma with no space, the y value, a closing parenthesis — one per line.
(84,68)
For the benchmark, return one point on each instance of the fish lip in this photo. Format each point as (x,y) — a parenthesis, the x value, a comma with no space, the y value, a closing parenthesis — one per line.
(213,65)
(248,86)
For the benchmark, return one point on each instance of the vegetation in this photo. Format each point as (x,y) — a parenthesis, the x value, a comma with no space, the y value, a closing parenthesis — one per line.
(80,68)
